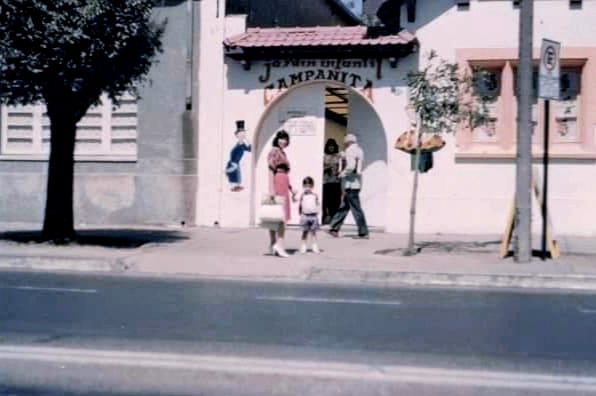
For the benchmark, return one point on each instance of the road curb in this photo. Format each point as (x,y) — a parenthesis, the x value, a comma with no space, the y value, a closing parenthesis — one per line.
(301,369)
(314,275)
(393,278)
(64,263)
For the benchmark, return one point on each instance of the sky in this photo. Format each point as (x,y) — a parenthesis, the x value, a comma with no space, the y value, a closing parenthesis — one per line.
(355,6)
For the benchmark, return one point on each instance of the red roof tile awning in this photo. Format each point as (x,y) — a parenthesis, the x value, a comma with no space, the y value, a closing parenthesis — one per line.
(314,36)
(313,41)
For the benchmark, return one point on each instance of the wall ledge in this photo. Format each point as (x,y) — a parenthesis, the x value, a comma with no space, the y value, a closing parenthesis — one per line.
(506,155)
(77,158)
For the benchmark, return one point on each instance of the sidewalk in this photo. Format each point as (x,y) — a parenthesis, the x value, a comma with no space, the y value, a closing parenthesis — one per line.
(445,260)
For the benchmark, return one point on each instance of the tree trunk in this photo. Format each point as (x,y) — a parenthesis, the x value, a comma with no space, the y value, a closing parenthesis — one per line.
(58,223)
(411,249)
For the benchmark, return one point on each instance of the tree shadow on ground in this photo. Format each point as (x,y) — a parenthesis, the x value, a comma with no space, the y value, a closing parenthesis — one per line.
(448,247)
(119,238)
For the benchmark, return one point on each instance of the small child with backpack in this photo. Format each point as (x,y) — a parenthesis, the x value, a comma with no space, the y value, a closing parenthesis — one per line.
(309,215)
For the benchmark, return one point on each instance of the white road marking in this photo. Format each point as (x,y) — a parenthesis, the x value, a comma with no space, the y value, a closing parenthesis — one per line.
(589,311)
(50,289)
(329,300)
(297,368)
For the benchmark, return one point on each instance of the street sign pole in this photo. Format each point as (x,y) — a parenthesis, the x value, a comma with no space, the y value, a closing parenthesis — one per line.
(545,177)
(548,89)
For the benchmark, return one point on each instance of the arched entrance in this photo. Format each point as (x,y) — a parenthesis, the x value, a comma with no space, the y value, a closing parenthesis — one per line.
(301,111)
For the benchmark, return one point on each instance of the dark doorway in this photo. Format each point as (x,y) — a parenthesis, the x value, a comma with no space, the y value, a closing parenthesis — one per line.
(336,122)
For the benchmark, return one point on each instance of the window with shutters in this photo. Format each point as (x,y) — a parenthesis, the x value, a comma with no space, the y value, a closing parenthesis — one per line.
(106,132)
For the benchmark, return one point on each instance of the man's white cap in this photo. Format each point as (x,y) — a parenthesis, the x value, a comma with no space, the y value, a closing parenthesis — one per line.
(350,138)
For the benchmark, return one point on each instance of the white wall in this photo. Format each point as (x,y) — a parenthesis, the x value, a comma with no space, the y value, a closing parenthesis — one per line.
(474,196)
(494,24)
(364,122)
(456,196)
(304,151)
(211,128)
(244,100)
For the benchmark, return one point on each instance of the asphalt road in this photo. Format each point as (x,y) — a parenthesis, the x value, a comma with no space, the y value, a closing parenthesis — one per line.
(70,335)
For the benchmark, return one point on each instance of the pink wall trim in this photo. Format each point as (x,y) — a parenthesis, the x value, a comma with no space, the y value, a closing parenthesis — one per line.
(504,146)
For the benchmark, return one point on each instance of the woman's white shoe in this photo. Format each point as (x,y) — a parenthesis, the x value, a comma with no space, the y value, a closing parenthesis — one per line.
(280,251)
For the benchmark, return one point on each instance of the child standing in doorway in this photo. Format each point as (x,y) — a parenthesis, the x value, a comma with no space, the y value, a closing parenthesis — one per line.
(309,215)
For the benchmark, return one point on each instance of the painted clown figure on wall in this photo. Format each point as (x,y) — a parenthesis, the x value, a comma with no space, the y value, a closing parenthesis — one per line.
(236,154)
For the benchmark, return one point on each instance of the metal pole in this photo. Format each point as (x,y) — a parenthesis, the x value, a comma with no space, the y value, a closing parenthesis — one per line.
(545,177)
(523,189)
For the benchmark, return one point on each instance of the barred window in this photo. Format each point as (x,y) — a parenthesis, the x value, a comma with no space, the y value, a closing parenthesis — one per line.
(572,122)
(564,114)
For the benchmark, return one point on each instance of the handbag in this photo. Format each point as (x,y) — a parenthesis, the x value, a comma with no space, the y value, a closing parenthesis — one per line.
(271,210)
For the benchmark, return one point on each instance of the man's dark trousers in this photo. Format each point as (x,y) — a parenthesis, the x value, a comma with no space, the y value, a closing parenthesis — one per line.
(351,202)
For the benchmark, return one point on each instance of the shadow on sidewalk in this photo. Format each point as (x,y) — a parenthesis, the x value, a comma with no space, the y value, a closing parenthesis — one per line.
(535,253)
(448,247)
(119,238)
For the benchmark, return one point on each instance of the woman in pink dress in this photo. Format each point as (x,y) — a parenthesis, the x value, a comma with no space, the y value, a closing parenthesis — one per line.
(279,185)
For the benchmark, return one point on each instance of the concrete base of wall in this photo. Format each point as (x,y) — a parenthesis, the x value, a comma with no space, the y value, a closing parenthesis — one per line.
(104,198)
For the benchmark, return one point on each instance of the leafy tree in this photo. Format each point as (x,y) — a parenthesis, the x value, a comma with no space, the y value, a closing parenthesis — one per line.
(442,97)
(66,53)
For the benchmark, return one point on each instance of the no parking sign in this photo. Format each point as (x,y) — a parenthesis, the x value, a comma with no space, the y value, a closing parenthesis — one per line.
(550,70)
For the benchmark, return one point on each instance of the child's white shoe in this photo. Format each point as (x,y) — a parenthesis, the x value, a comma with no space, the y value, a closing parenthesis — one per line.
(303,248)
(315,249)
